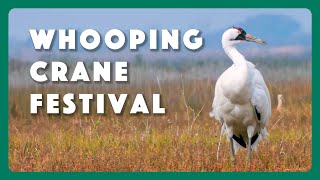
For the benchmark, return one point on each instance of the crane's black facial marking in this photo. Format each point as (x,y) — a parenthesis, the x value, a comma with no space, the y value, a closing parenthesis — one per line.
(239,140)
(242,35)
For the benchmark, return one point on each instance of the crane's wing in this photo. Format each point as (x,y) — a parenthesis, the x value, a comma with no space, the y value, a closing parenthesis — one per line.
(221,104)
(216,104)
(260,99)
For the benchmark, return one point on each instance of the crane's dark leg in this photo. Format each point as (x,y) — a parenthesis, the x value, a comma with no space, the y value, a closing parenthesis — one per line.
(250,131)
(249,148)
(231,149)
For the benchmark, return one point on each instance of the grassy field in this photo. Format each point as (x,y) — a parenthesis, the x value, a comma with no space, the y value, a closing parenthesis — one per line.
(184,139)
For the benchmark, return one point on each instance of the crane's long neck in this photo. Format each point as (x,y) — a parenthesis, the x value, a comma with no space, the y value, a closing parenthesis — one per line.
(234,55)
(240,75)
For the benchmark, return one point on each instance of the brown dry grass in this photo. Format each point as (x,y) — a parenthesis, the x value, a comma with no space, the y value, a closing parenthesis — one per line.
(177,141)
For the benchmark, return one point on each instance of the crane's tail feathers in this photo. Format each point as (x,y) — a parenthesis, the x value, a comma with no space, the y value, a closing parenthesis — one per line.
(236,146)
(255,144)
(262,135)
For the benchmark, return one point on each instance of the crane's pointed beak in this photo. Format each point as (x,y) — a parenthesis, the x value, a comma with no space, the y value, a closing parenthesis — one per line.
(251,38)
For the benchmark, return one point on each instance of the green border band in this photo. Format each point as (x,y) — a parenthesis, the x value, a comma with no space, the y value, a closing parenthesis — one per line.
(6,6)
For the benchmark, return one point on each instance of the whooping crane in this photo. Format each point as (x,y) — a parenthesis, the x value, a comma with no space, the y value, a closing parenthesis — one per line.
(280,102)
(242,101)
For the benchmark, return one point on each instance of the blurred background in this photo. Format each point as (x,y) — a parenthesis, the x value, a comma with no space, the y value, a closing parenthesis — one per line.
(287,32)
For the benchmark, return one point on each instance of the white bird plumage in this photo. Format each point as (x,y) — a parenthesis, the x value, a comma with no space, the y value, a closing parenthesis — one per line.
(242,101)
